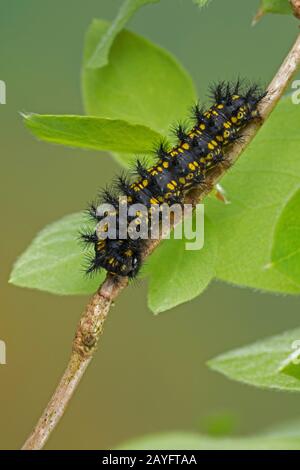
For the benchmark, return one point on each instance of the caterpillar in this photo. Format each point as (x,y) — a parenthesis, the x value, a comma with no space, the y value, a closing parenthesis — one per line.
(176,171)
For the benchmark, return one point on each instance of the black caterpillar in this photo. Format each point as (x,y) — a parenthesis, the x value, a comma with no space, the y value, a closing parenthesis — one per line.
(177,170)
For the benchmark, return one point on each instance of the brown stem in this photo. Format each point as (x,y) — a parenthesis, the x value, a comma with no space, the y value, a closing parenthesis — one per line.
(85,343)
(296,8)
(91,324)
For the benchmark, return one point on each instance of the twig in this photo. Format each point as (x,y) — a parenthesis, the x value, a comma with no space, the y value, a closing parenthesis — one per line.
(296,8)
(91,324)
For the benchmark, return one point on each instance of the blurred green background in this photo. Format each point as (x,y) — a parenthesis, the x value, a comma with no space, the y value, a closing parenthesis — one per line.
(149,374)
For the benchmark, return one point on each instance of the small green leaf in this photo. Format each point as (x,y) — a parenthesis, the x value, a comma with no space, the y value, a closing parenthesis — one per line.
(286,248)
(54,261)
(193,441)
(178,275)
(261,363)
(259,187)
(92,132)
(141,84)
(276,6)
(100,56)
(282,7)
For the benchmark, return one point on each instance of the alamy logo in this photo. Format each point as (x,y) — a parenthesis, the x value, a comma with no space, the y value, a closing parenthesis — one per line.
(134,222)
(293,358)
(2,352)
(2,92)
(296,93)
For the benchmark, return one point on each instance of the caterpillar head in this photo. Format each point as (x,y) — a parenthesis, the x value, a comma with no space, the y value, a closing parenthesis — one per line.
(248,109)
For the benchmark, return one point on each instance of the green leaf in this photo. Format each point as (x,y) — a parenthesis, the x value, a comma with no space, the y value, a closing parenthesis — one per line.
(54,261)
(272,6)
(92,132)
(286,248)
(142,84)
(264,364)
(276,6)
(193,441)
(178,275)
(100,56)
(259,187)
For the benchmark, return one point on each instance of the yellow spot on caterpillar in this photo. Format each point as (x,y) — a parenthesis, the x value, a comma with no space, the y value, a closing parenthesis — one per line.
(190,176)
(154,200)
(210,146)
(192,135)
(174,153)
(185,146)
(145,183)
(209,156)
(196,163)
(182,180)
(226,134)
(170,186)
(235,97)
(219,138)
(180,150)
(154,173)
(214,143)
(227,125)
(234,119)
(174,182)
(202,127)
(128,253)
(160,169)
(220,106)
(192,167)
(165,164)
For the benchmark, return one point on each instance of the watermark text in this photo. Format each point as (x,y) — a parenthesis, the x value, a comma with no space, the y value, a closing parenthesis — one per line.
(2,352)
(138,221)
(2,92)
(296,92)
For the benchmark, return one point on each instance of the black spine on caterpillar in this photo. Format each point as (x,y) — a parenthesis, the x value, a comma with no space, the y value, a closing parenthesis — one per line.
(176,170)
